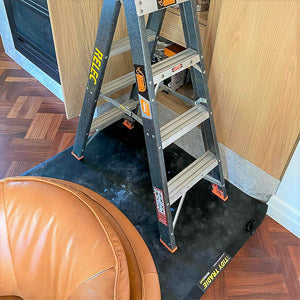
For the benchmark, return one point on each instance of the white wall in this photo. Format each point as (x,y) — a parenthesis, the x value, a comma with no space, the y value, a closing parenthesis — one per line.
(284,207)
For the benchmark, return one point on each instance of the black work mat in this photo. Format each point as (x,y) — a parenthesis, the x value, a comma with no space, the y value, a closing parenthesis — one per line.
(116,167)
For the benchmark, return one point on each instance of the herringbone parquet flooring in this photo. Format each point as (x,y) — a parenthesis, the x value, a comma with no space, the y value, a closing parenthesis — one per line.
(33,127)
(267,267)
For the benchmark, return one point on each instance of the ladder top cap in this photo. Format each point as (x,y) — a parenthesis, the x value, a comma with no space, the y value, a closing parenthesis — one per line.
(144,7)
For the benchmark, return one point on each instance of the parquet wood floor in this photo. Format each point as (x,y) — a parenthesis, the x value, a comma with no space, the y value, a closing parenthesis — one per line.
(33,125)
(33,128)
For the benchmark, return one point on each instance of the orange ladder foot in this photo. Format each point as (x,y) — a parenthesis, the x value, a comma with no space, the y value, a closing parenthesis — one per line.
(78,158)
(218,192)
(128,124)
(172,251)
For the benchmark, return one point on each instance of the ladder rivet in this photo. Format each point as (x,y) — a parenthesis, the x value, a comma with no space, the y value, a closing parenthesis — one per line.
(211,113)
(152,135)
(219,160)
(140,2)
(201,56)
(203,72)
(106,57)
(159,147)
(147,134)
(150,82)
(142,11)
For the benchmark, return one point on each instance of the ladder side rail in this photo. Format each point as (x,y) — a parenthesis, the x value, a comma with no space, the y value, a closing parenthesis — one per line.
(154,23)
(106,29)
(191,30)
(142,62)
(193,40)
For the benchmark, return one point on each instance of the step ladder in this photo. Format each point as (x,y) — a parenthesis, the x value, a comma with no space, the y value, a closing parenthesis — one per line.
(146,81)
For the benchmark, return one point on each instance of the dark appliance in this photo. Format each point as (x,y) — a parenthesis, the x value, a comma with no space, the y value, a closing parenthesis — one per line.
(31,30)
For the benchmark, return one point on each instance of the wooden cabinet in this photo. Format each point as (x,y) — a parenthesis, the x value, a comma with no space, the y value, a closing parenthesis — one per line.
(254,79)
(172,26)
(252,57)
(74,25)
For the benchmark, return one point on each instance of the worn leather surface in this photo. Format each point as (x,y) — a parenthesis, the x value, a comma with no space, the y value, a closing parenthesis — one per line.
(62,241)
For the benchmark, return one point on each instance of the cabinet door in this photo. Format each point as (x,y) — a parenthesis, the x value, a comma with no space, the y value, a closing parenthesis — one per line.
(172,26)
(254,80)
(74,25)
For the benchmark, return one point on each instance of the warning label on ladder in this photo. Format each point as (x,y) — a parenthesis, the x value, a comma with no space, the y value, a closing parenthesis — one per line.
(145,107)
(165,3)
(160,206)
(141,80)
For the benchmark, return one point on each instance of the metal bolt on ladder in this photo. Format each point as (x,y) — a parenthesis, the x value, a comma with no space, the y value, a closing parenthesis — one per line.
(146,81)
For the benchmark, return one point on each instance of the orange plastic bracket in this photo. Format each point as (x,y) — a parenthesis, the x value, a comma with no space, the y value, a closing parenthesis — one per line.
(128,124)
(218,192)
(172,251)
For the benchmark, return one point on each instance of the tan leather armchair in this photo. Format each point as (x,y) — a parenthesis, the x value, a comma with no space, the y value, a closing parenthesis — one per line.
(59,240)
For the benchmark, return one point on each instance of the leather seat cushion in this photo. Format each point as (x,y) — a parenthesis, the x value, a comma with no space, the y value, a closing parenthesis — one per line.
(144,282)
(56,243)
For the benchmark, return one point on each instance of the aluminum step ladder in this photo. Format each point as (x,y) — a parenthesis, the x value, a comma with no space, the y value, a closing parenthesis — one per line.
(146,81)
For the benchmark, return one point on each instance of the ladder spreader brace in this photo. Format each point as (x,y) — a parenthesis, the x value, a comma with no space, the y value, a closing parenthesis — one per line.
(146,81)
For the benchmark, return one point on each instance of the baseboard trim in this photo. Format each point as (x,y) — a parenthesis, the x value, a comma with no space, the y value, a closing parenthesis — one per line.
(284,214)
(246,176)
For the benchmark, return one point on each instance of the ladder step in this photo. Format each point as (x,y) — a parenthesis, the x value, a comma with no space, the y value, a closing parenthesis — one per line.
(123,45)
(118,84)
(187,178)
(108,118)
(174,64)
(183,124)
(149,6)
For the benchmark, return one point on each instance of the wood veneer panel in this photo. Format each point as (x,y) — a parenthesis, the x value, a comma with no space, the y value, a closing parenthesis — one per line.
(254,80)
(74,25)
(213,22)
(172,27)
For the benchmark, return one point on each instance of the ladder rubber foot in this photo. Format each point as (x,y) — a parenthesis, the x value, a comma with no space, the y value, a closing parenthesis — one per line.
(218,192)
(172,251)
(128,124)
(78,158)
